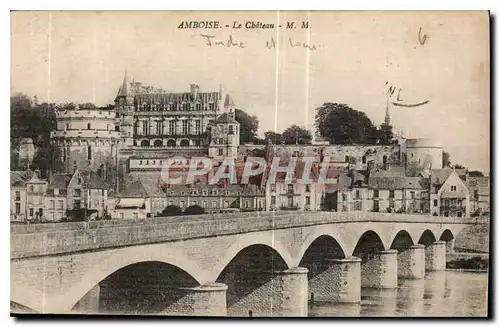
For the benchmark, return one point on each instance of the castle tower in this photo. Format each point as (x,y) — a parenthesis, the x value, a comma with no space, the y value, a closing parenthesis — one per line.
(87,138)
(124,107)
(225,132)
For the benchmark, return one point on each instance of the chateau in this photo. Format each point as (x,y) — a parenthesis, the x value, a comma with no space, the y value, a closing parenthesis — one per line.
(116,155)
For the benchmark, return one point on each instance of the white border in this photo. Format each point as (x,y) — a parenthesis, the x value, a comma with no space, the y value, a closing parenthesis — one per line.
(492,5)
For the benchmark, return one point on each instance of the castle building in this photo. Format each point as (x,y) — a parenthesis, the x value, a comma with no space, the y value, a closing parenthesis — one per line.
(88,139)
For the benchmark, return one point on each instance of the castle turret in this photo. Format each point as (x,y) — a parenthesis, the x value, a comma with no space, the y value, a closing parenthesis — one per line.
(124,107)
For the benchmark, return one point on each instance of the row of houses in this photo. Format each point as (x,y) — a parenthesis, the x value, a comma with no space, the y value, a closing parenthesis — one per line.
(443,192)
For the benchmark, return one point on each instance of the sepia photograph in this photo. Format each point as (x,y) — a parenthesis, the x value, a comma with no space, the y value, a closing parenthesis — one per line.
(250,163)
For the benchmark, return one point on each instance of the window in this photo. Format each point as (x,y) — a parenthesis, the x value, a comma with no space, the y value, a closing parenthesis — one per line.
(344,197)
(18,208)
(308,200)
(384,160)
(273,187)
(273,200)
(226,204)
(197,127)
(121,215)
(52,204)
(453,188)
(363,159)
(171,127)
(205,192)
(89,152)
(391,193)
(446,214)
(476,194)
(446,203)
(290,201)
(76,204)
(88,126)
(183,193)
(308,188)
(214,192)
(220,152)
(375,193)
(40,212)
(194,203)
(435,203)
(31,212)
(67,125)
(31,188)
(185,127)
(18,196)
(60,204)
(346,159)
(290,188)
(459,203)
(204,204)
(247,204)
(231,129)
(357,206)
(357,194)
(77,192)
(181,204)
(214,204)
(136,215)
(412,195)
(64,155)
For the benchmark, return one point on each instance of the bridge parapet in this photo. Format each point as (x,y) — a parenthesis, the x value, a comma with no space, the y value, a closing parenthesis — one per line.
(51,239)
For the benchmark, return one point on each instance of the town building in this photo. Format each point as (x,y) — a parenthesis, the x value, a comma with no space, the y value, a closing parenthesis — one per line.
(449,195)
(479,194)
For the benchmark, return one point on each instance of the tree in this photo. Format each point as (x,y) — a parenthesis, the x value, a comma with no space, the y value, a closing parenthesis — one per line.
(340,124)
(296,135)
(171,210)
(194,210)
(385,134)
(276,138)
(446,159)
(248,126)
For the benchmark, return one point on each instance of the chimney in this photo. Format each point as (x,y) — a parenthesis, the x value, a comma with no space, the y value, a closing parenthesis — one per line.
(222,97)
(194,90)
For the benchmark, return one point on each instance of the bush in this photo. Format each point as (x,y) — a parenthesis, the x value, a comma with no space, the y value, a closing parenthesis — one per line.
(194,210)
(171,210)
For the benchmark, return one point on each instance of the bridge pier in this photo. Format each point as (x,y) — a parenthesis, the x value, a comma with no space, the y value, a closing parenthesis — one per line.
(340,282)
(450,246)
(380,271)
(204,300)
(284,294)
(411,262)
(435,256)
(89,304)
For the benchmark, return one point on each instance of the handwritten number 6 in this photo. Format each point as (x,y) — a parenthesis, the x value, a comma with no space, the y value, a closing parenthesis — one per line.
(422,39)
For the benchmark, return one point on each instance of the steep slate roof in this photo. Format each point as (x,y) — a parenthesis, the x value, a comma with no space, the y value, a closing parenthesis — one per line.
(132,188)
(225,118)
(416,183)
(387,183)
(439,176)
(93,181)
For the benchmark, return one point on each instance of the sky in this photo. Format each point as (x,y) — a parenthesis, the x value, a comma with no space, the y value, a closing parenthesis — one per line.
(350,57)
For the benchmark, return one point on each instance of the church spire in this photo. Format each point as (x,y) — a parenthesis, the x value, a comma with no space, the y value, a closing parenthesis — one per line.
(124,88)
(387,120)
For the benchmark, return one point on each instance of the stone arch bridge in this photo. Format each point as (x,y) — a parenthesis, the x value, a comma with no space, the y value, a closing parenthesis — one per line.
(235,264)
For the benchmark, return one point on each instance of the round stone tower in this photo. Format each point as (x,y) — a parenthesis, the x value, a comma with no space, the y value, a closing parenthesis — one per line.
(424,153)
(87,138)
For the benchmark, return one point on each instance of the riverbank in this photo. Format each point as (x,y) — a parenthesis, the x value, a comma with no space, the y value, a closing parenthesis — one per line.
(467,261)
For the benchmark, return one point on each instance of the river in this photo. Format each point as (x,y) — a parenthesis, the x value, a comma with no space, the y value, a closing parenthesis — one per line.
(446,293)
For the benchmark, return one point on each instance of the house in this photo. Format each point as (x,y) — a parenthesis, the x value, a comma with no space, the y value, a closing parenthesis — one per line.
(132,201)
(479,191)
(449,195)
(17,196)
(36,189)
(56,199)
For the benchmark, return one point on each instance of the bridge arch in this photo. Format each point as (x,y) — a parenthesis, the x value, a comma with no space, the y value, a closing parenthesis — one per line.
(124,257)
(402,240)
(24,297)
(16,307)
(368,244)
(427,238)
(243,242)
(446,235)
